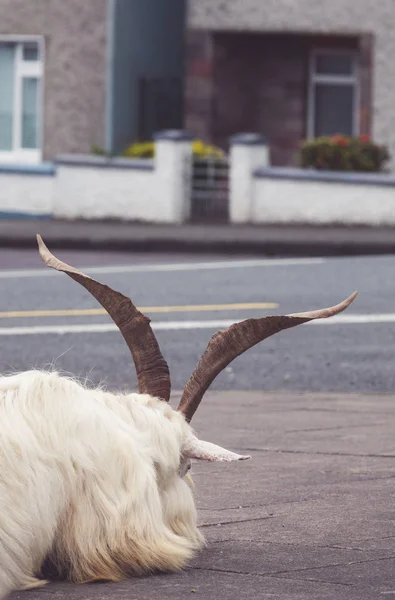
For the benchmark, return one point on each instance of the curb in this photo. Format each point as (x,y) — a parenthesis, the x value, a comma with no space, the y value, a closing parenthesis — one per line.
(268,248)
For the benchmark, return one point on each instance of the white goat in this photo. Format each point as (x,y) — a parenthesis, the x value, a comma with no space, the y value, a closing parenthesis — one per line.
(93,485)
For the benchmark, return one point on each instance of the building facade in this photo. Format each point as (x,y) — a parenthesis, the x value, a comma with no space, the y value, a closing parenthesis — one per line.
(75,74)
(79,74)
(290,69)
(52,76)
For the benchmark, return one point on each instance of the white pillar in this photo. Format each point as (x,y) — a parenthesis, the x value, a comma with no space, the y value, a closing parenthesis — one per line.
(173,158)
(248,152)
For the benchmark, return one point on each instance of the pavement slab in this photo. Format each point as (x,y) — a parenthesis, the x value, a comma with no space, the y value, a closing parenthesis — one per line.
(310,517)
(199,584)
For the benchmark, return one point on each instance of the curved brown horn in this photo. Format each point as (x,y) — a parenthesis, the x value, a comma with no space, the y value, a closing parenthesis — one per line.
(153,374)
(226,345)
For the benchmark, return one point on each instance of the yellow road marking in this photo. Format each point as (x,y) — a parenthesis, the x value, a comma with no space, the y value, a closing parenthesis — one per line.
(75,312)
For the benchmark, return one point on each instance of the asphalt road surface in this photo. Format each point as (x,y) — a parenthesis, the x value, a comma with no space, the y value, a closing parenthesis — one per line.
(189,298)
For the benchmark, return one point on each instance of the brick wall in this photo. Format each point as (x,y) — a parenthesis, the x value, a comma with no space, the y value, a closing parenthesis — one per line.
(258,82)
(260,86)
(199,83)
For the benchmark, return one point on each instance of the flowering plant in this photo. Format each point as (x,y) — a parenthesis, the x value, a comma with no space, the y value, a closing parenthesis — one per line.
(343,153)
(147,150)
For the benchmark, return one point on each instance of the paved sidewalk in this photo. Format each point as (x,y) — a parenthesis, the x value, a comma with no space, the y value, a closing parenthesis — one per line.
(231,239)
(310,517)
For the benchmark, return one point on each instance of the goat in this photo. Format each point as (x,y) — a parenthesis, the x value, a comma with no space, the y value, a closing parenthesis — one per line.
(95,485)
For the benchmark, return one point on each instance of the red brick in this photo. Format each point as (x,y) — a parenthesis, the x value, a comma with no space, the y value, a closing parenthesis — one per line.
(259,82)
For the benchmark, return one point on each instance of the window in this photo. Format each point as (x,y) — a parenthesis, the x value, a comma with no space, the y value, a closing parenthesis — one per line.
(20,100)
(333,94)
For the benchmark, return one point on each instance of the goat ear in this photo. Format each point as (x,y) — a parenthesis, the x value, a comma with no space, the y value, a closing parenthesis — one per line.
(195,448)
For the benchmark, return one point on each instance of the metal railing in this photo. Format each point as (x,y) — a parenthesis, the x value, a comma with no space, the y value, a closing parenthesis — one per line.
(210,189)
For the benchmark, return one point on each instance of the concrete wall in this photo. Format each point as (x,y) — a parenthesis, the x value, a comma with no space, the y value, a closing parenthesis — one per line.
(75,34)
(155,191)
(289,197)
(92,187)
(26,191)
(262,194)
(159,190)
(338,17)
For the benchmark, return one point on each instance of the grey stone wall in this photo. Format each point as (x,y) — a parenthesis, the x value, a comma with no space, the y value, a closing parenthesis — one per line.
(75,33)
(348,17)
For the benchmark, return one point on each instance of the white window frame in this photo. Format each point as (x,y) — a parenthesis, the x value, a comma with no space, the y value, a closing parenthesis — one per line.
(24,69)
(318,78)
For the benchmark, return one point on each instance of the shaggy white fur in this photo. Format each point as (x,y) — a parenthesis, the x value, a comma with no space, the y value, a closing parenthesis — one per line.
(90,481)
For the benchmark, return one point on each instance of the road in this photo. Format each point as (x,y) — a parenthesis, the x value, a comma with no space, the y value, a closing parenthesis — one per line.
(188,298)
